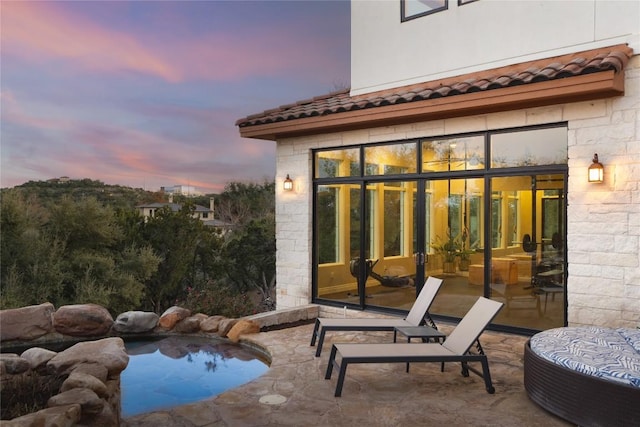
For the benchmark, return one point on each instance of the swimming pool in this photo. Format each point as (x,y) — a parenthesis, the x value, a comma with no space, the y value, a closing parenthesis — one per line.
(177,370)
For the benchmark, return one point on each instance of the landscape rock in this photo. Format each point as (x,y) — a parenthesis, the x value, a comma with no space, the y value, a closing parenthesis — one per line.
(94,369)
(58,416)
(14,364)
(225,326)
(201,317)
(173,315)
(243,327)
(89,402)
(37,356)
(82,320)
(106,418)
(109,352)
(187,326)
(82,380)
(136,322)
(26,323)
(211,323)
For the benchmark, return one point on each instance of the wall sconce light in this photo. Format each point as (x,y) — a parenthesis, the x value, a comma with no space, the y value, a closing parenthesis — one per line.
(596,170)
(288,183)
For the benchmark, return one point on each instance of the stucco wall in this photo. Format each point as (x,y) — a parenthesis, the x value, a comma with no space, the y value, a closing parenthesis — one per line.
(386,52)
(603,219)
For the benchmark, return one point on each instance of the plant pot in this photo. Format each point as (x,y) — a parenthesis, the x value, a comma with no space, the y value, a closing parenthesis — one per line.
(463,265)
(449,267)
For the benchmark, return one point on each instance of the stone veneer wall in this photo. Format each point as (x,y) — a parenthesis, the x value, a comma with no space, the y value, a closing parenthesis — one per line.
(603,219)
(91,393)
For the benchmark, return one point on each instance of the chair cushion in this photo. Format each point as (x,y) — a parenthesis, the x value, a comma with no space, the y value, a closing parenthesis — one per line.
(608,353)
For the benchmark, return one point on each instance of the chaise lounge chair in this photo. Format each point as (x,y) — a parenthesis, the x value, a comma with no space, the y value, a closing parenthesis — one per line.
(456,348)
(417,315)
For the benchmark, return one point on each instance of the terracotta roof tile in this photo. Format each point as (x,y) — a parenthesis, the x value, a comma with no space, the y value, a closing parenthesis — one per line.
(593,61)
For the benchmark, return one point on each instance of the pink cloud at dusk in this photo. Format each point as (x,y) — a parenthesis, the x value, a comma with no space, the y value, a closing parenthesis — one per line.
(146,94)
(59,34)
(212,56)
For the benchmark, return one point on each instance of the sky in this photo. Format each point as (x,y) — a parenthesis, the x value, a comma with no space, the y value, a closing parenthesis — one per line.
(146,94)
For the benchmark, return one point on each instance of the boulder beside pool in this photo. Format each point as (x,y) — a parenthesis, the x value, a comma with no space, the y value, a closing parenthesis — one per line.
(243,327)
(136,322)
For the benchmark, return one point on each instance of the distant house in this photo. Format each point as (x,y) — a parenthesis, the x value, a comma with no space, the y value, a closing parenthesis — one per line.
(182,190)
(61,180)
(202,213)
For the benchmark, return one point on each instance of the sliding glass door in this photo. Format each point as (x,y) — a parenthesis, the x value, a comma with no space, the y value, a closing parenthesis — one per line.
(527,256)
(455,229)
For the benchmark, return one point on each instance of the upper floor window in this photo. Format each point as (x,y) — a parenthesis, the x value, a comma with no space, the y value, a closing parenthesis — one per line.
(411,9)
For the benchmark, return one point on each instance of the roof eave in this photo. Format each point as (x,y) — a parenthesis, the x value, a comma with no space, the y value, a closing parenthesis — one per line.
(599,85)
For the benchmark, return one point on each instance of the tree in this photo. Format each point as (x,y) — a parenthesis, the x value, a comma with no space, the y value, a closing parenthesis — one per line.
(31,261)
(240,203)
(75,252)
(249,250)
(175,238)
(80,242)
(251,258)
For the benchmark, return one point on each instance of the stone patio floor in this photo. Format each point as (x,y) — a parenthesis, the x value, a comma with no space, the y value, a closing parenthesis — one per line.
(296,393)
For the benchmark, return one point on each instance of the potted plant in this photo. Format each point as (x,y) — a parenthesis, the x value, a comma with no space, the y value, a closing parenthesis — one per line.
(464,254)
(449,250)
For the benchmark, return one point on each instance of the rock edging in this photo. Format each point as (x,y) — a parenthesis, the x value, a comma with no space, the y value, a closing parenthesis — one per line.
(90,395)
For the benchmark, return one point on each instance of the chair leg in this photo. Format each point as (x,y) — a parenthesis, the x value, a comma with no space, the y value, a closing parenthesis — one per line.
(320,342)
(342,370)
(332,358)
(315,332)
(341,375)
(486,374)
(465,369)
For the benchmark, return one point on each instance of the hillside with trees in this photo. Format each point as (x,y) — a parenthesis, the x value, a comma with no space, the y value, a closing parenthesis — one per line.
(84,242)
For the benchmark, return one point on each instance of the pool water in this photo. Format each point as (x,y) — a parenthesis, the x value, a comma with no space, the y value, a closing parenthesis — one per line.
(178,370)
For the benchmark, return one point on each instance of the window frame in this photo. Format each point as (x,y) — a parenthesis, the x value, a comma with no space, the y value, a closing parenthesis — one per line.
(405,18)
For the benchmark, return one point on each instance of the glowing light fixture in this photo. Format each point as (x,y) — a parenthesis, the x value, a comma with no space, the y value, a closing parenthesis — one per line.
(287,184)
(596,170)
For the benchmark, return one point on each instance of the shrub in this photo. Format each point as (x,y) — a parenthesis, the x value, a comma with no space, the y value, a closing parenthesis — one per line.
(218,300)
(27,393)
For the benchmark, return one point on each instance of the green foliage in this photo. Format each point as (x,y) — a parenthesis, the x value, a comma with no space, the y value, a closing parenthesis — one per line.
(240,203)
(218,300)
(175,237)
(116,196)
(250,256)
(76,252)
(449,248)
(31,260)
(82,241)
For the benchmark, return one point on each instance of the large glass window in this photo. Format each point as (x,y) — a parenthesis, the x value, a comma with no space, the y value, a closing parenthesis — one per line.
(454,154)
(529,148)
(337,163)
(390,159)
(327,214)
(387,216)
(393,222)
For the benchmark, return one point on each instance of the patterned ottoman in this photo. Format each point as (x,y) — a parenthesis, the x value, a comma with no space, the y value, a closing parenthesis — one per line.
(589,376)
